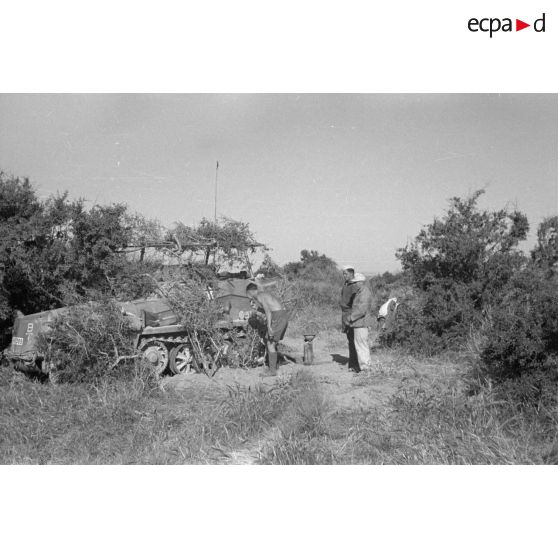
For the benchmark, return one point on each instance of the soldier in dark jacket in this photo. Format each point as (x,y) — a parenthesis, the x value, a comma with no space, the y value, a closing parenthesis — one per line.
(348,292)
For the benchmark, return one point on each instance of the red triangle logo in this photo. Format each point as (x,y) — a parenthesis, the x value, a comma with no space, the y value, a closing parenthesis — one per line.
(519,25)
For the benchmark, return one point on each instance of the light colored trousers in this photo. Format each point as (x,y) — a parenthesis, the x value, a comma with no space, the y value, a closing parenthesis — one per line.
(362,347)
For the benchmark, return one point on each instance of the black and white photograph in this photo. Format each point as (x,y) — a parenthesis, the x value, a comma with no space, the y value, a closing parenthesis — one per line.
(278,278)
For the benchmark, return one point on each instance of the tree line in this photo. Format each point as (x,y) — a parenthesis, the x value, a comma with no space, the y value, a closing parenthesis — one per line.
(56,252)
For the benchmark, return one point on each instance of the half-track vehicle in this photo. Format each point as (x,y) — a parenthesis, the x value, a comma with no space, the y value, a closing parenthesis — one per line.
(165,343)
(168,345)
(22,352)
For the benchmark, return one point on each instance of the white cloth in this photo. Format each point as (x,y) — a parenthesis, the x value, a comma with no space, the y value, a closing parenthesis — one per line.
(383,312)
(362,347)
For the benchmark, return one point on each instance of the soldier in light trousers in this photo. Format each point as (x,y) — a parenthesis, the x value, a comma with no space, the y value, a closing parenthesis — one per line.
(358,322)
(355,306)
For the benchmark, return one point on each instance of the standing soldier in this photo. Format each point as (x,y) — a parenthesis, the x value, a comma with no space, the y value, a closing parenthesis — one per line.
(348,292)
(358,321)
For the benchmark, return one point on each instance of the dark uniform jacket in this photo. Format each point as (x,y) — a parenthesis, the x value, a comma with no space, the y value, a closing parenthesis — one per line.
(347,295)
(361,305)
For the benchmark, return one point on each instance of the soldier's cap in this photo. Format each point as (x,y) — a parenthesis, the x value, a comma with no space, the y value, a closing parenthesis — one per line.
(348,268)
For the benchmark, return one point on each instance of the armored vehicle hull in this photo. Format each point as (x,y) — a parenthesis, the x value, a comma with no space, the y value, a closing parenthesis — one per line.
(166,344)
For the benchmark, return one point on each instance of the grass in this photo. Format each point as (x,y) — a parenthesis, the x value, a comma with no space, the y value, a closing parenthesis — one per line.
(126,422)
(434,423)
(429,419)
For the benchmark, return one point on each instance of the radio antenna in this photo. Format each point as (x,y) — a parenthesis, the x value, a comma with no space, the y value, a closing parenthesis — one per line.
(216,176)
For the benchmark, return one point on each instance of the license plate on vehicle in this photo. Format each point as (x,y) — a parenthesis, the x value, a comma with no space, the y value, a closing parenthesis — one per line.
(17,341)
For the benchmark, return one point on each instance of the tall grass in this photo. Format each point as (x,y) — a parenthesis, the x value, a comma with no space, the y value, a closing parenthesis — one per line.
(119,422)
(305,419)
(430,420)
(434,422)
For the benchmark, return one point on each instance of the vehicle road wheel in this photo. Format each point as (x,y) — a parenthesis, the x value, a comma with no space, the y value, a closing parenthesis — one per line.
(156,354)
(181,360)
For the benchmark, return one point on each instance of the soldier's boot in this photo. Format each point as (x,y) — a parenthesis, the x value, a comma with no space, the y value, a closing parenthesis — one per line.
(272,371)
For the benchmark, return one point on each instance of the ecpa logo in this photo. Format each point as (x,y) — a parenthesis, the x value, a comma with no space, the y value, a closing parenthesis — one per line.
(492,25)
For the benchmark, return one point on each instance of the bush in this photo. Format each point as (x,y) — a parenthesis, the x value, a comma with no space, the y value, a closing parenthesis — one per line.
(310,290)
(190,300)
(459,265)
(545,253)
(518,341)
(200,314)
(55,252)
(388,285)
(89,342)
(412,331)
(269,268)
(312,266)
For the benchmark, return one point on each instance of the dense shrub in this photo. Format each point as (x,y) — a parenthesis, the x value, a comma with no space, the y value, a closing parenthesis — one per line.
(190,300)
(313,293)
(200,314)
(518,340)
(387,285)
(269,268)
(315,279)
(311,289)
(463,244)
(545,253)
(312,266)
(54,252)
(411,331)
(87,343)
(459,265)
(474,288)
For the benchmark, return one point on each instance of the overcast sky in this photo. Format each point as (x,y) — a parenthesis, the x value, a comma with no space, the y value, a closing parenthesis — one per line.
(353,176)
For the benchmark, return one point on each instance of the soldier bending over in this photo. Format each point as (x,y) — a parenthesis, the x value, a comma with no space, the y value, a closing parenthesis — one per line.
(277,320)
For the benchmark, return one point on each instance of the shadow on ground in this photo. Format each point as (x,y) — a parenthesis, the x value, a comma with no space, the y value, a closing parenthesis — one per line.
(339,359)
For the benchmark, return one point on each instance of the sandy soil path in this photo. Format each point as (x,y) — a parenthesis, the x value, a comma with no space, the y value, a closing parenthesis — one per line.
(346,390)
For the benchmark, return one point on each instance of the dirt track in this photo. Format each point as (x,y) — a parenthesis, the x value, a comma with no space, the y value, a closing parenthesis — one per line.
(346,390)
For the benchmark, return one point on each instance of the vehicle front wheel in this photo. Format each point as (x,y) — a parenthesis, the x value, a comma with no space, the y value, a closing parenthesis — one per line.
(181,360)
(155,354)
